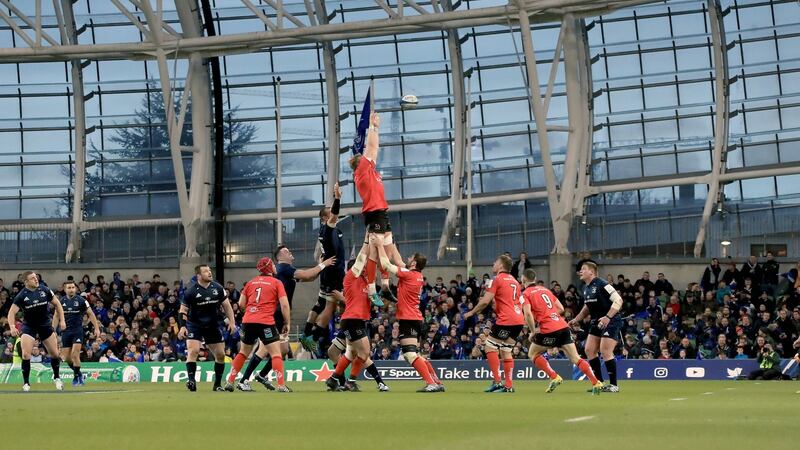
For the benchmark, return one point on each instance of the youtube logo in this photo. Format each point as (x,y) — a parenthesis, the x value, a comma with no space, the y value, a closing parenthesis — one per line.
(695,372)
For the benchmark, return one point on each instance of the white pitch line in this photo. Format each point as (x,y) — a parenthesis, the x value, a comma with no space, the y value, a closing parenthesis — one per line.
(112,392)
(579,419)
(707,393)
(730,389)
(677,399)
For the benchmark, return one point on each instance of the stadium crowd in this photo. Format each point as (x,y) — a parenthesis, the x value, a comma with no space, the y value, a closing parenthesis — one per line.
(734,311)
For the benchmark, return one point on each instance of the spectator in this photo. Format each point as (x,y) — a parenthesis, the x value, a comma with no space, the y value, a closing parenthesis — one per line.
(687,348)
(751,268)
(520,265)
(732,276)
(631,349)
(710,277)
(644,282)
(769,274)
(722,350)
(442,350)
(654,310)
(663,286)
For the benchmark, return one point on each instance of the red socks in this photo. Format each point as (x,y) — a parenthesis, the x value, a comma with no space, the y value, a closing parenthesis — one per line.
(587,370)
(277,367)
(358,364)
(341,365)
(432,372)
(544,365)
(372,269)
(422,370)
(494,364)
(236,366)
(508,369)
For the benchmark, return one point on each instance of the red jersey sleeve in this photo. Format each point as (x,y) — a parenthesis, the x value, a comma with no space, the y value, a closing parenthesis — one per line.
(281,291)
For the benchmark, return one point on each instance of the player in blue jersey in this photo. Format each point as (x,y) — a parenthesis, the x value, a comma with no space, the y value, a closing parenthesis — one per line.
(602,304)
(331,278)
(199,320)
(72,337)
(34,301)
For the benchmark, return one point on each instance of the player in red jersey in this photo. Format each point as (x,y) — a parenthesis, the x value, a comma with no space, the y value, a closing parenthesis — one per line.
(375,209)
(507,296)
(259,300)
(354,321)
(541,307)
(409,287)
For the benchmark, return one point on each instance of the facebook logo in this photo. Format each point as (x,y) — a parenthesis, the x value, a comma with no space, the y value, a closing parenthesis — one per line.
(628,372)
(695,372)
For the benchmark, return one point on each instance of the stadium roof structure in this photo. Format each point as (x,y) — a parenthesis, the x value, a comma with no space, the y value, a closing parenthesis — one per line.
(53,36)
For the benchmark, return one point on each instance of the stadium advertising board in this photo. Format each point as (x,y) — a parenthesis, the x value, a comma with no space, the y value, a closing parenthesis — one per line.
(448,370)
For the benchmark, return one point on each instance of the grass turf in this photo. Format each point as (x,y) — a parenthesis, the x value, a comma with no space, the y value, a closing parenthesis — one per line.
(656,415)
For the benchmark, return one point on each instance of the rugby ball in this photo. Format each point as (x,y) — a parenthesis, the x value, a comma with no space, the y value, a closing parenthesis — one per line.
(409,101)
(131,375)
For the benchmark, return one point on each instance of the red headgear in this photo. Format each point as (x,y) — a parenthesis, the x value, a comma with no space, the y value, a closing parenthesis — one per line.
(265,266)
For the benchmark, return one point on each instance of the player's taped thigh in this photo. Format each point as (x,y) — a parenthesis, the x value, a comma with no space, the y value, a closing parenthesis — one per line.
(387,238)
(493,345)
(349,353)
(410,353)
(320,305)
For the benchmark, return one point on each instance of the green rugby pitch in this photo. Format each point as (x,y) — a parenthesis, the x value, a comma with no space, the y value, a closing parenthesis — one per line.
(645,415)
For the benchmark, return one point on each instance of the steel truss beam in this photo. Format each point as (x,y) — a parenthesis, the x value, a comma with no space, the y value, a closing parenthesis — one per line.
(401,23)
(721,119)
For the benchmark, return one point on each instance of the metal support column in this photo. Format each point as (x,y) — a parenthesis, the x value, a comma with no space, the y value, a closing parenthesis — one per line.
(174,125)
(76,71)
(459,141)
(200,183)
(577,89)
(540,116)
(332,100)
(576,105)
(721,119)
(585,155)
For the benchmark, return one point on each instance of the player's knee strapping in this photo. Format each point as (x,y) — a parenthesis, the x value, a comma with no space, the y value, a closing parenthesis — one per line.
(340,344)
(410,353)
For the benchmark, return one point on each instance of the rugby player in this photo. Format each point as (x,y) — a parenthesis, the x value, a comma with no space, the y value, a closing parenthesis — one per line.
(33,300)
(410,283)
(507,296)
(354,321)
(259,301)
(288,275)
(198,318)
(602,304)
(72,337)
(541,307)
(331,278)
(374,208)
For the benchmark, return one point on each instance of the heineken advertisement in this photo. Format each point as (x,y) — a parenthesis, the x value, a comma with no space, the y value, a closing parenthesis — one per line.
(447,370)
(310,370)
